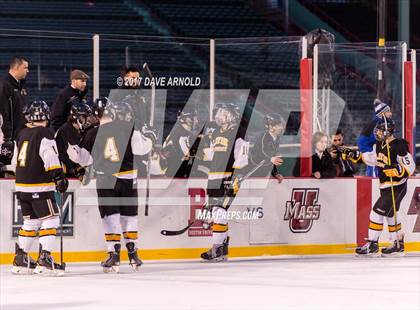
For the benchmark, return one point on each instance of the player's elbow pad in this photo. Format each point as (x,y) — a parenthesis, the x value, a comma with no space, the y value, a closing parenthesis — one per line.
(49,155)
(369,158)
(407,162)
(140,144)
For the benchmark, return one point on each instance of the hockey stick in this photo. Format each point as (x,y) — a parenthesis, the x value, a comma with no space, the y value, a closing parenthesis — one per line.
(392,187)
(181,231)
(149,156)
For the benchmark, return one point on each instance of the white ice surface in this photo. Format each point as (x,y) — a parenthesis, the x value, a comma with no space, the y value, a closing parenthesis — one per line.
(343,282)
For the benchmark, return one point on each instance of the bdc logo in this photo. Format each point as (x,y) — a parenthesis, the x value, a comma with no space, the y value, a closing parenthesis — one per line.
(302,209)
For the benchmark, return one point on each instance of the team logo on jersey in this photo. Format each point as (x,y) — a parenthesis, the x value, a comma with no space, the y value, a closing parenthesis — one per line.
(414,209)
(302,209)
(68,215)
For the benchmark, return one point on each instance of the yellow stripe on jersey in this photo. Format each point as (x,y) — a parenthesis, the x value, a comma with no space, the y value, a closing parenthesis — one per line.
(402,172)
(52,168)
(112,237)
(130,234)
(27,233)
(125,172)
(220,228)
(35,184)
(391,228)
(47,232)
(375,226)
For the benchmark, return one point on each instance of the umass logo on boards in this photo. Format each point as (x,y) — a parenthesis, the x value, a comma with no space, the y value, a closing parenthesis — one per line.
(302,209)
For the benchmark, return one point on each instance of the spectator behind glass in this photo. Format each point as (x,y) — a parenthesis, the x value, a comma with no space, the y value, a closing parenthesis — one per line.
(322,162)
(344,168)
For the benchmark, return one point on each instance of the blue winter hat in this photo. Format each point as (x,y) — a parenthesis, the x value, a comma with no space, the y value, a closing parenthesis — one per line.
(380,107)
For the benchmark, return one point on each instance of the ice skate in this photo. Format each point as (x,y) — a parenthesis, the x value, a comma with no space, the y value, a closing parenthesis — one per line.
(370,249)
(46,266)
(112,264)
(22,262)
(394,249)
(218,253)
(133,257)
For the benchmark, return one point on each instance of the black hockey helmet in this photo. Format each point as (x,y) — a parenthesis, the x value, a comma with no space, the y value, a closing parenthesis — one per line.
(226,113)
(273,119)
(80,114)
(384,129)
(119,111)
(36,111)
(188,117)
(99,106)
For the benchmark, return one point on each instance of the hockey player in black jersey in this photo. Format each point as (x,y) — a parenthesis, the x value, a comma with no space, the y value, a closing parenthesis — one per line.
(178,151)
(395,165)
(266,147)
(70,132)
(110,148)
(38,175)
(228,153)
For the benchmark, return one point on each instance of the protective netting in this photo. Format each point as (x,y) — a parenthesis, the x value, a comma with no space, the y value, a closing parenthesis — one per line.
(347,84)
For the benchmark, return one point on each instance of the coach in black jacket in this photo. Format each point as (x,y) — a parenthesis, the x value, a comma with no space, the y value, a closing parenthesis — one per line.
(12,97)
(75,92)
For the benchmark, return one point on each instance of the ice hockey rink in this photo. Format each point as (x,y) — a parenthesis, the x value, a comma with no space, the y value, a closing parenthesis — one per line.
(335,282)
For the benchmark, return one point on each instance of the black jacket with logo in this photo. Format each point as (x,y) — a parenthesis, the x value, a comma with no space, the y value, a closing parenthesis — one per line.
(62,105)
(12,101)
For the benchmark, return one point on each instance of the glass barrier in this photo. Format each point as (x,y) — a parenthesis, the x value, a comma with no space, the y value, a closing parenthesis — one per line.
(175,67)
(51,56)
(346,77)
(268,68)
(417,129)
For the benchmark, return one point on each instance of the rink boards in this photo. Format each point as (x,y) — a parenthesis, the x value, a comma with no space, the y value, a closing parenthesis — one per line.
(299,217)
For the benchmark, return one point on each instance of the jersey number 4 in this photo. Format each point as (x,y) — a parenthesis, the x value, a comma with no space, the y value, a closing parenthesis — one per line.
(111,151)
(23,154)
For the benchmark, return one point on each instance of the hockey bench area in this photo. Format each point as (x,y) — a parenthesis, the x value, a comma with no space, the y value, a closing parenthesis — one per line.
(297,217)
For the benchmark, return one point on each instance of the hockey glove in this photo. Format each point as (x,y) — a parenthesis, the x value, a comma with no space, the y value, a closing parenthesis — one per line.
(149,133)
(350,154)
(87,176)
(77,172)
(61,183)
(232,186)
(393,170)
(6,149)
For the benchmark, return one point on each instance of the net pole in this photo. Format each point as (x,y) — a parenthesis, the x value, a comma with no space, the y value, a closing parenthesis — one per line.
(95,66)
(212,76)
(315,90)
(381,51)
(403,61)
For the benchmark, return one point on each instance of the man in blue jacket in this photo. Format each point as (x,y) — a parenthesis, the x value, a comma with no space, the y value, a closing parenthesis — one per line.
(367,140)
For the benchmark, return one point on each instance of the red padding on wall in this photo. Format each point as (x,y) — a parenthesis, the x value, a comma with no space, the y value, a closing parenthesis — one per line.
(306,117)
(409,108)
(364,205)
